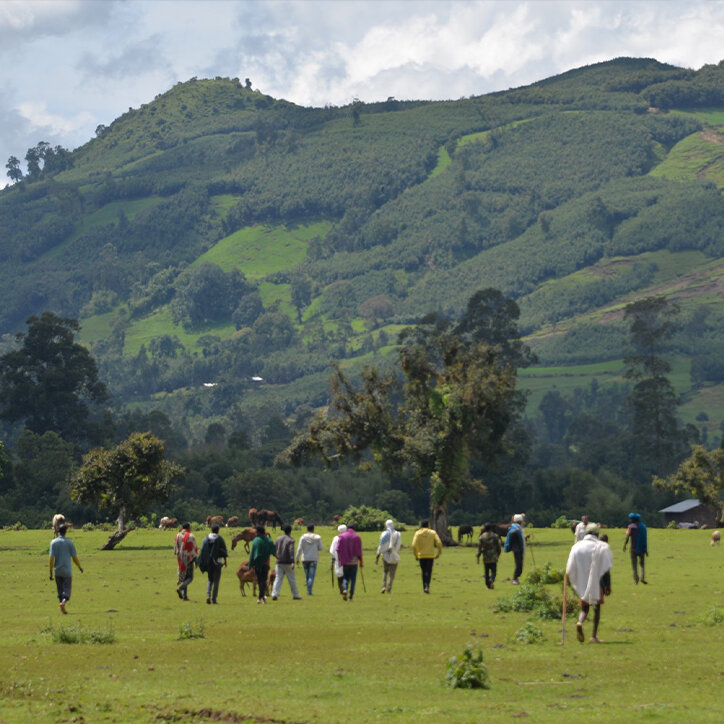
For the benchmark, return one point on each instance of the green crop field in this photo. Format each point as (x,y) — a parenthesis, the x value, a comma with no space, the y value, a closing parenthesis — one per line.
(378,658)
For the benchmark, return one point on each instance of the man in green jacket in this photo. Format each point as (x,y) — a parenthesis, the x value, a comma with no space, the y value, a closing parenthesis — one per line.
(261,549)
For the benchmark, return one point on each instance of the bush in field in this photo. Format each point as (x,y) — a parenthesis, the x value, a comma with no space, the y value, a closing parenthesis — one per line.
(365,518)
(467,671)
(88,527)
(561,522)
(187,630)
(535,599)
(529,634)
(714,616)
(545,575)
(16,526)
(76,634)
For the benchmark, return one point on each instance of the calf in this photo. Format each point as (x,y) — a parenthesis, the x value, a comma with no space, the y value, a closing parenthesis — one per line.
(248,575)
(715,538)
(233,521)
(253,517)
(298,522)
(247,535)
(467,531)
(214,520)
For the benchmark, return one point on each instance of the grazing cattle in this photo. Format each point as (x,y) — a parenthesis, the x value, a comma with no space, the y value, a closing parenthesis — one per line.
(248,575)
(58,520)
(168,523)
(270,517)
(233,521)
(246,535)
(298,522)
(467,531)
(715,538)
(253,517)
(336,518)
(214,520)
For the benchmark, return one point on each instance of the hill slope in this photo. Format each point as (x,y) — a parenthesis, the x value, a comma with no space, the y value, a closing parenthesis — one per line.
(216,233)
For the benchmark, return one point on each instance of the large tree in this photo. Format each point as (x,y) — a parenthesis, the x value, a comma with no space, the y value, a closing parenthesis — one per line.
(701,475)
(656,431)
(453,402)
(125,480)
(50,380)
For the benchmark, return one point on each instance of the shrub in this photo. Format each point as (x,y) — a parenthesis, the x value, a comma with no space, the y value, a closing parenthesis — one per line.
(561,522)
(88,527)
(714,616)
(16,526)
(468,671)
(545,575)
(187,630)
(535,599)
(529,634)
(671,525)
(76,634)
(365,518)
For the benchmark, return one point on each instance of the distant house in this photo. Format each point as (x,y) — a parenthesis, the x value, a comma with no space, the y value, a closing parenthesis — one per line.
(690,511)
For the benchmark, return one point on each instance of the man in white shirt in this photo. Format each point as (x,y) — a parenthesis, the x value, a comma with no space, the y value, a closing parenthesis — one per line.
(336,568)
(389,549)
(580,530)
(308,551)
(590,561)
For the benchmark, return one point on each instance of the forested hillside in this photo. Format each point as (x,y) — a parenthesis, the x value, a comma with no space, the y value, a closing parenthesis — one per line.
(220,247)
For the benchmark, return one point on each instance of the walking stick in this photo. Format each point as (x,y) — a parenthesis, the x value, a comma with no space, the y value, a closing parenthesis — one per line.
(565,607)
(331,570)
(362,573)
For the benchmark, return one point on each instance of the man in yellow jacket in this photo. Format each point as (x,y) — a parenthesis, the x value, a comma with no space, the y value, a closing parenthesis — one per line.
(425,544)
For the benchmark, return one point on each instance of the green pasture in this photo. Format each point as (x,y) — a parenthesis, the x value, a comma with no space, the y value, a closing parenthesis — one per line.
(377,658)
(695,157)
(264,249)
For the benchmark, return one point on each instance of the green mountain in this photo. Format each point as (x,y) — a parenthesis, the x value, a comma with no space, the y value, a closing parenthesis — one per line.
(217,234)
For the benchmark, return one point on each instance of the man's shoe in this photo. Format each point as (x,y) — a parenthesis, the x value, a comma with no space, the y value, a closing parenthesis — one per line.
(344,595)
(297,598)
(579,632)
(643,581)
(180,595)
(515,582)
(426,589)
(208,599)
(62,605)
(384,590)
(492,585)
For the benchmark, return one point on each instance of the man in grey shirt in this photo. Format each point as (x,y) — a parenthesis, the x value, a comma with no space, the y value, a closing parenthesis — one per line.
(285,564)
(62,552)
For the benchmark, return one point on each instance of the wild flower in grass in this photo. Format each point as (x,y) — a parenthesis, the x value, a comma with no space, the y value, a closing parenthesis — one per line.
(714,616)
(187,630)
(76,634)
(467,671)
(529,634)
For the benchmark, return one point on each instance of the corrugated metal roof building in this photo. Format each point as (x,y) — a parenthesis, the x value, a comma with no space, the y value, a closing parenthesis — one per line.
(690,511)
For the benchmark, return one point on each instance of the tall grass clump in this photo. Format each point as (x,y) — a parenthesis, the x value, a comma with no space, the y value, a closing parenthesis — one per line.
(534,598)
(714,616)
(467,671)
(76,634)
(187,630)
(529,634)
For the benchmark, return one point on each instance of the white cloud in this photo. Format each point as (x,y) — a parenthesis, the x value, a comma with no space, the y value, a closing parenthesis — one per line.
(68,65)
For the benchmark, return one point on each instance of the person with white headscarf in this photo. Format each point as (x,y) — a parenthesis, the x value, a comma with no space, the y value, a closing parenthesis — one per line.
(515,544)
(589,561)
(389,549)
(337,570)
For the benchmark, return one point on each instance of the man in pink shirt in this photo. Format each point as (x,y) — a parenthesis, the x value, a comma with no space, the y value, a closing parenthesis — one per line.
(349,555)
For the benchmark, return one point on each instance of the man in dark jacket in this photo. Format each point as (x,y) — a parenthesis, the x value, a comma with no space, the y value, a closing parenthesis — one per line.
(285,564)
(213,550)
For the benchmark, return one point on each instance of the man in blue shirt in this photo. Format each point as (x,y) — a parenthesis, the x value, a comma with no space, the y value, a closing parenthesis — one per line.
(62,552)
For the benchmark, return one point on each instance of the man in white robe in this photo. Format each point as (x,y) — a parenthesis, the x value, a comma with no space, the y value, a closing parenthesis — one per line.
(588,562)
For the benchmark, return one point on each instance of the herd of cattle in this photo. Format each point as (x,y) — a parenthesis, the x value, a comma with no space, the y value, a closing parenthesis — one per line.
(256,517)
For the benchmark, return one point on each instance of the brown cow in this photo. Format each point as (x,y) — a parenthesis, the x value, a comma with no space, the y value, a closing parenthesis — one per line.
(298,522)
(233,521)
(247,535)
(270,517)
(167,522)
(254,517)
(336,518)
(214,520)
(248,575)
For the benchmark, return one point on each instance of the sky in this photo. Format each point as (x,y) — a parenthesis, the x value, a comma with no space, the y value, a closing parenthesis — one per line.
(67,66)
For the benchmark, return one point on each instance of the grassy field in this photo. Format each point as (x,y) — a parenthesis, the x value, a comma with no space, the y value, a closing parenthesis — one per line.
(378,658)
